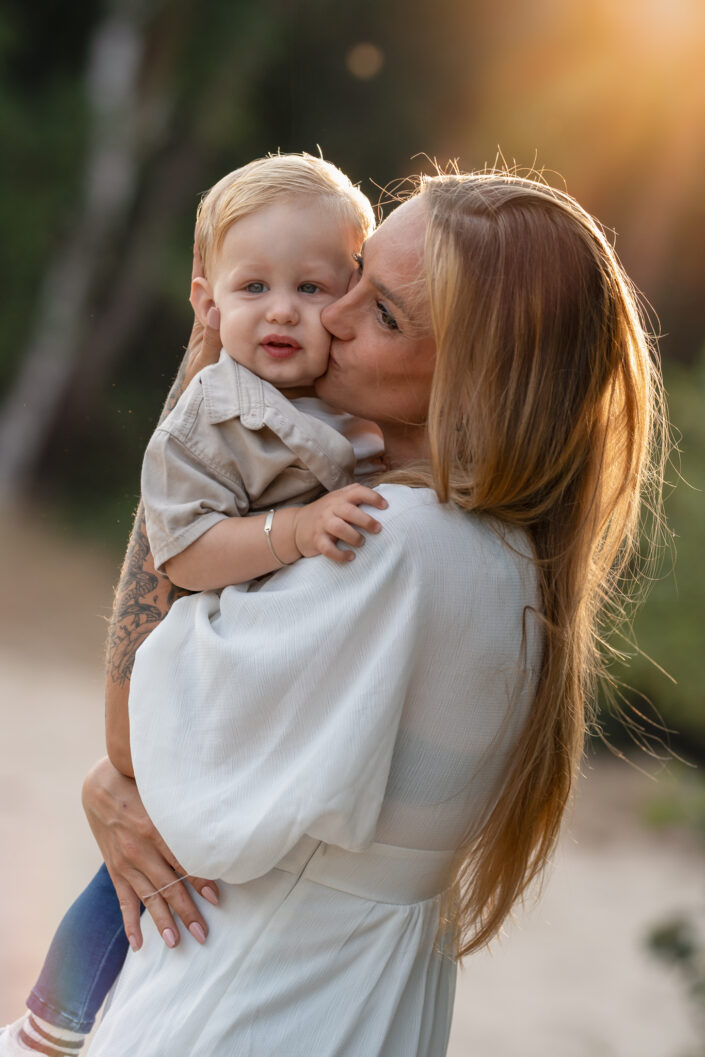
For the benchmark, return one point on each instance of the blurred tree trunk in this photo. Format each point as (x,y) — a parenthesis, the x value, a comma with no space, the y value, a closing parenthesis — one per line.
(109,185)
(146,158)
(169,192)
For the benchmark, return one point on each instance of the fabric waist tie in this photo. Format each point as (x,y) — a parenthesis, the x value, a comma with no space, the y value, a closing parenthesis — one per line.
(384,873)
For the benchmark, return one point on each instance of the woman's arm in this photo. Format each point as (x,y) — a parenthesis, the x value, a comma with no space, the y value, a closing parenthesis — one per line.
(138,860)
(143,596)
(142,599)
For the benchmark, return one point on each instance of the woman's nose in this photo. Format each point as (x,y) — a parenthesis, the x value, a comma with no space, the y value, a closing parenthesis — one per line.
(335,317)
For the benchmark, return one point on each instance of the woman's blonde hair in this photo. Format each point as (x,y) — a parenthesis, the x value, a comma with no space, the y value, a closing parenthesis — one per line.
(272,179)
(546,413)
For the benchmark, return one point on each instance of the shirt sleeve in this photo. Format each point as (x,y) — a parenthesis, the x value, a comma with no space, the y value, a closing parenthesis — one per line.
(260,716)
(185,492)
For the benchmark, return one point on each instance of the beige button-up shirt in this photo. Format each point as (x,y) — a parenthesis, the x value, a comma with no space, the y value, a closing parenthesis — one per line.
(235,445)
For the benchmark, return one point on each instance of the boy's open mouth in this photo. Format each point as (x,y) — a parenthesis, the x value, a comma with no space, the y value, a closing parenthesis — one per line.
(279,346)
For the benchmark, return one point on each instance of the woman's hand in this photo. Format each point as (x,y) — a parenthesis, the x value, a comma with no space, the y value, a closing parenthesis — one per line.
(139,861)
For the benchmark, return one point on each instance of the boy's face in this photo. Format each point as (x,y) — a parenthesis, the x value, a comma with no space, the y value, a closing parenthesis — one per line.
(275,272)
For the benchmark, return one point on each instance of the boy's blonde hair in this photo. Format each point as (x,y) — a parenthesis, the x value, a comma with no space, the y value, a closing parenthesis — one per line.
(267,180)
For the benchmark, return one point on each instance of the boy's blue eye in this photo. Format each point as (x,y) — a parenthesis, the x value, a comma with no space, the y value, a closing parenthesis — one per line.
(309,288)
(255,288)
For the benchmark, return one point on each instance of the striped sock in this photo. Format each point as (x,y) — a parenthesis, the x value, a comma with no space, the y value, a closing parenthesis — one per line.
(38,1036)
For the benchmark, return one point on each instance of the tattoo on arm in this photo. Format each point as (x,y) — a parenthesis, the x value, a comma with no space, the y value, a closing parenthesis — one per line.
(142,600)
(143,597)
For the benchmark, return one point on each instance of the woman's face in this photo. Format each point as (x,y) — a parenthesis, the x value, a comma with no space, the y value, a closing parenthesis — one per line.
(383,350)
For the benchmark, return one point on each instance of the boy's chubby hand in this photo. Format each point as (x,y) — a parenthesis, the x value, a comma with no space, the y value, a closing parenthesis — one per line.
(336,516)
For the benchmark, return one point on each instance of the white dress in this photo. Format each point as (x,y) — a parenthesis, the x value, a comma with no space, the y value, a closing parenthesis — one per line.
(322,745)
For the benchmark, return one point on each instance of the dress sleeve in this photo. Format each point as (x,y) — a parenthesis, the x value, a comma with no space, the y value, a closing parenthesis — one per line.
(184,495)
(260,716)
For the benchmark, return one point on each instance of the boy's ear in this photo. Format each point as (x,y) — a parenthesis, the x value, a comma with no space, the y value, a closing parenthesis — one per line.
(201,298)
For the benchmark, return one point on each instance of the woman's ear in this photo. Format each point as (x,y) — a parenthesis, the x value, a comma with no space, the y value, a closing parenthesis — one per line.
(201,298)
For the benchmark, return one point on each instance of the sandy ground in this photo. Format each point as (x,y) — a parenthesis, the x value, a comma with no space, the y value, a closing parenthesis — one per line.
(571,977)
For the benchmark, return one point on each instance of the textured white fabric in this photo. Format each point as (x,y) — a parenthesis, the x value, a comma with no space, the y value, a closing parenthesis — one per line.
(371,702)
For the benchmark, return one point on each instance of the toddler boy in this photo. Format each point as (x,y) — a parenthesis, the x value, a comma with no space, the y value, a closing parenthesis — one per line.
(249,472)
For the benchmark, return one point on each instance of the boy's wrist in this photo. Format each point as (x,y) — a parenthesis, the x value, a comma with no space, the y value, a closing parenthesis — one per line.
(282,535)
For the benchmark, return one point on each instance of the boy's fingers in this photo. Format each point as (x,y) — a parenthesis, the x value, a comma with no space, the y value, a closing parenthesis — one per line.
(360,493)
(346,533)
(354,516)
(329,550)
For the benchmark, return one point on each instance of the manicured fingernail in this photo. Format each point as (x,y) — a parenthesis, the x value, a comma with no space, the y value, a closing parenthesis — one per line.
(197,932)
(210,894)
(133,943)
(376,528)
(169,937)
(213,318)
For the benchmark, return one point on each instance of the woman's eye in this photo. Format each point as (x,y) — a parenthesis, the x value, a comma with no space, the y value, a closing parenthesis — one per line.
(255,288)
(309,288)
(385,317)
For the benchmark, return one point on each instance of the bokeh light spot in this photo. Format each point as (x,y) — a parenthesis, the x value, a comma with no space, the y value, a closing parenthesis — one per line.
(364,61)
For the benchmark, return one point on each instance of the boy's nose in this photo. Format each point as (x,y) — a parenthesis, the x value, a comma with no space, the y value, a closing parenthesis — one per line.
(282,309)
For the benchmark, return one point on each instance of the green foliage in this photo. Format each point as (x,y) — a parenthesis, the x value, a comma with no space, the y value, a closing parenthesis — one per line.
(679,942)
(43,130)
(678,800)
(670,628)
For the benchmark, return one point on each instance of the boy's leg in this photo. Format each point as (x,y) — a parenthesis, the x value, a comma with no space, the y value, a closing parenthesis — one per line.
(81,966)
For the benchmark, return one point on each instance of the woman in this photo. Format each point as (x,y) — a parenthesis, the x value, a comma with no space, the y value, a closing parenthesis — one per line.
(380,781)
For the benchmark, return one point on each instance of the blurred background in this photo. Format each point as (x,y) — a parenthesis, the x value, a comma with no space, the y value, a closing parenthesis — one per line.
(114,117)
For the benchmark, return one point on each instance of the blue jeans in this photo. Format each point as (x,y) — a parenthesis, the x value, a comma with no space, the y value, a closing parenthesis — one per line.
(84,959)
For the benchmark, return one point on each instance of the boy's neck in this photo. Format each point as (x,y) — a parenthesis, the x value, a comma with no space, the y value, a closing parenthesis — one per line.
(297,391)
